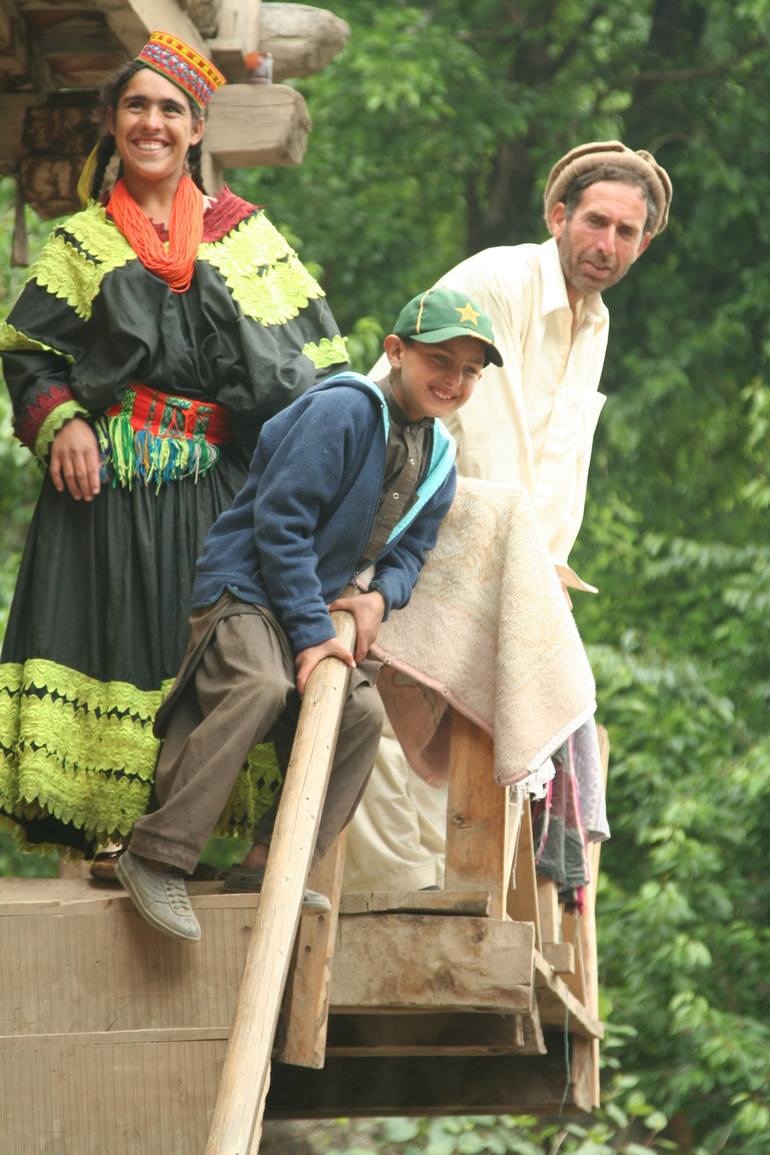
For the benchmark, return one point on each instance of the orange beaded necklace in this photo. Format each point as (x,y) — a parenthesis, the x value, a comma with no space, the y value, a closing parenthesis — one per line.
(175,264)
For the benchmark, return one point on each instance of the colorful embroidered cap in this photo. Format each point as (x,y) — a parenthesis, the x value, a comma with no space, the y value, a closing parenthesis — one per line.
(441,314)
(183,66)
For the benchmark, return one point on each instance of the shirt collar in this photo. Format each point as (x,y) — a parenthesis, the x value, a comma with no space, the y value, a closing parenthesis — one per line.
(555,287)
(397,414)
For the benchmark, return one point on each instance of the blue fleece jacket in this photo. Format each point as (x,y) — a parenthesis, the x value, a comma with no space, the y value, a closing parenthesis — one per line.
(294,536)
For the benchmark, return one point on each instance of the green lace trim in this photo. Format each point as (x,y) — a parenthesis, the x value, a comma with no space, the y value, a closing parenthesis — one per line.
(13,339)
(328,351)
(84,752)
(74,275)
(53,423)
(262,271)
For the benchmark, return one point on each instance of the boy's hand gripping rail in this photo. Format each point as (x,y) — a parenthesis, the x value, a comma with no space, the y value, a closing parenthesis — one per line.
(237,1121)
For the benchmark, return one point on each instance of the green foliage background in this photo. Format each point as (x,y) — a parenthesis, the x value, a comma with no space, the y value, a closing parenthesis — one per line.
(433,134)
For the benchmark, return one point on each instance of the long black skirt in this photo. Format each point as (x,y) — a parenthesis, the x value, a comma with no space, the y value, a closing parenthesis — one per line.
(97,629)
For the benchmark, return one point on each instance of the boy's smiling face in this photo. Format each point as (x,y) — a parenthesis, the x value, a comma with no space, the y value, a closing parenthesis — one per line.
(433,379)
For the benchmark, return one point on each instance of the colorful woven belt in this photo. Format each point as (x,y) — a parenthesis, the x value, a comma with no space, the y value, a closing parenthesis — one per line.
(159,437)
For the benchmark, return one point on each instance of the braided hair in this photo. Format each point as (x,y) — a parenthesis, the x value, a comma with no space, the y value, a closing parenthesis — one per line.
(110,96)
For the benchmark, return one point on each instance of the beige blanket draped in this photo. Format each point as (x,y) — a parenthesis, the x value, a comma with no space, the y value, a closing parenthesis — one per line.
(489,633)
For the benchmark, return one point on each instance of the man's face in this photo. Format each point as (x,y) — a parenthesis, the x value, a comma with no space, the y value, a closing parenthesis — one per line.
(603,237)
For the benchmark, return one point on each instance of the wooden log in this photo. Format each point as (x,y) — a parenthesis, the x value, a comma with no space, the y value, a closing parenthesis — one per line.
(49,184)
(264,124)
(58,134)
(65,124)
(477,818)
(237,1113)
(302,1029)
(397,961)
(13,112)
(14,52)
(302,39)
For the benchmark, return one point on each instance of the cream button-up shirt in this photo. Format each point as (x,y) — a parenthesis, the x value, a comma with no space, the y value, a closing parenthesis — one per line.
(533,420)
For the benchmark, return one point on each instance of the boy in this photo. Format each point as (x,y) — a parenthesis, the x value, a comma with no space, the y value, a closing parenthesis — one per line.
(351,475)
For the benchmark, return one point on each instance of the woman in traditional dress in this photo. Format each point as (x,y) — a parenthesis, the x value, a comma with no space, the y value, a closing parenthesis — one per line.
(158,330)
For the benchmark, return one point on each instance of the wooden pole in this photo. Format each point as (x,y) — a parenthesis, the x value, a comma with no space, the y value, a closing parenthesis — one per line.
(237,1118)
(477,818)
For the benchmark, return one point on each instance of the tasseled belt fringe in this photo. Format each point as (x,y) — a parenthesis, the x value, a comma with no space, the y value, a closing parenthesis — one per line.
(160,438)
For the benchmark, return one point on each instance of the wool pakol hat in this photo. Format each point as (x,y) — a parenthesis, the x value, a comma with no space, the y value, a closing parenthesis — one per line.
(183,66)
(440,315)
(586,157)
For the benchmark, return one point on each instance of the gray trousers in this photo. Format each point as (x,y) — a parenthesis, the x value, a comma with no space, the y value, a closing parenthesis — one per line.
(236,687)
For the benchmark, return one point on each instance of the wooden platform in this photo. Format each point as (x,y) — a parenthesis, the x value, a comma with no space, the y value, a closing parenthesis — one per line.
(112,1036)
(477,999)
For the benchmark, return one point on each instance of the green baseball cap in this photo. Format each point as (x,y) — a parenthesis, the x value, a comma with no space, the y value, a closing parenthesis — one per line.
(441,314)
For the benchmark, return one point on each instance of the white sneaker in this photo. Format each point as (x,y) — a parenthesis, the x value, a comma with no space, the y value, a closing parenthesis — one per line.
(159,896)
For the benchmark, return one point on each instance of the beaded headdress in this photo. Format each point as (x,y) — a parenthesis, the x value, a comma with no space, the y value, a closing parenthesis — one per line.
(183,66)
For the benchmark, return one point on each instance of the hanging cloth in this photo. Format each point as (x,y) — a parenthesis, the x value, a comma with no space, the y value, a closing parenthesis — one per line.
(174,263)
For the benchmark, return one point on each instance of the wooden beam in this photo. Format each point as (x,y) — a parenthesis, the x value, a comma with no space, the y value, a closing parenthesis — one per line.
(558,1006)
(132,21)
(302,1029)
(439,1034)
(477,818)
(550,911)
(476,1085)
(264,124)
(580,930)
(14,53)
(455,902)
(462,964)
(522,902)
(561,956)
(238,35)
(79,52)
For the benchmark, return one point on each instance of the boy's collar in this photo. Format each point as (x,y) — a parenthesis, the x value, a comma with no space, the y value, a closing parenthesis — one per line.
(397,412)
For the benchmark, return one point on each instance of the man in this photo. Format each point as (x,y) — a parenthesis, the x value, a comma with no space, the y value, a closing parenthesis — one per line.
(533,424)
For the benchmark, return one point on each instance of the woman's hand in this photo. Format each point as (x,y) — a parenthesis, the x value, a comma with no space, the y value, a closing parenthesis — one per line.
(75,460)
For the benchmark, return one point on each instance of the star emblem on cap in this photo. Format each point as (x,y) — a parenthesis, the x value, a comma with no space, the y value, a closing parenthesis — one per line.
(467,313)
